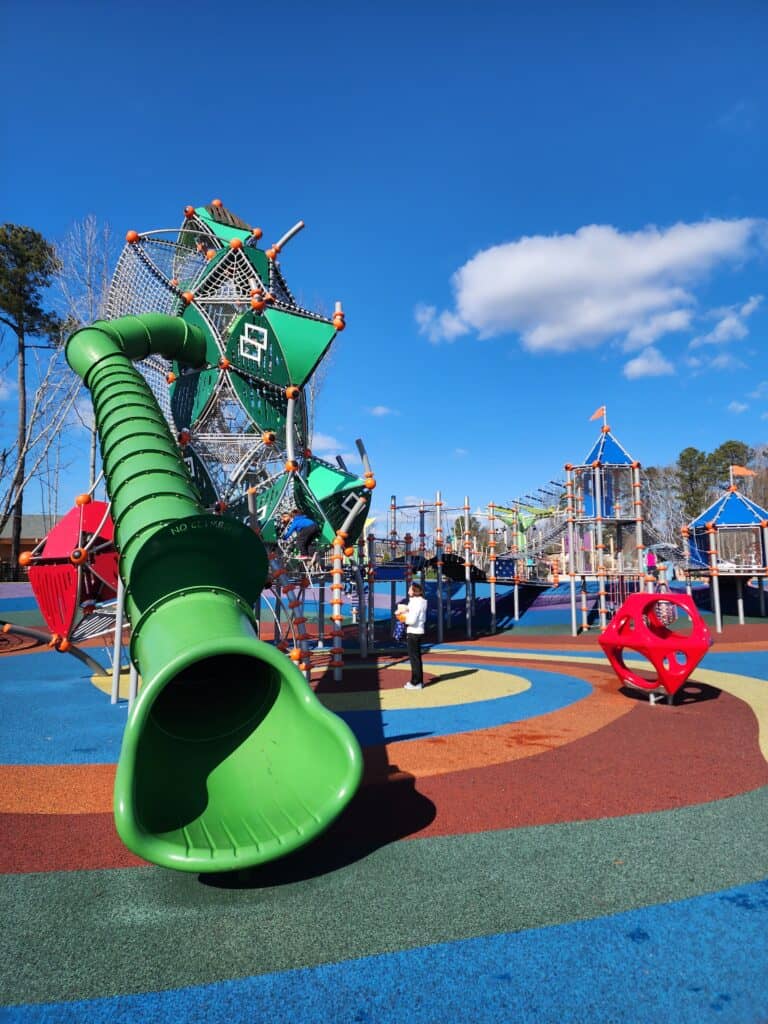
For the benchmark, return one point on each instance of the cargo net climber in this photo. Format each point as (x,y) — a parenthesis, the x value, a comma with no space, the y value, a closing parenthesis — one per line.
(241,419)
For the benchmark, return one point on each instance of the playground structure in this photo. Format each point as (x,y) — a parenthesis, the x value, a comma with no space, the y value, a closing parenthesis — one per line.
(728,544)
(228,760)
(204,445)
(242,416)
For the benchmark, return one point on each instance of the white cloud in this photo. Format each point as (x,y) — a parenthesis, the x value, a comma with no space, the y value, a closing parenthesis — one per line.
(761,391)
(730,325)
(565,292)
(726,361)
(737,407)
(443,327)
(6,389)
(650,363)
(383,410)
(325,443)
(664,323)
(326,446)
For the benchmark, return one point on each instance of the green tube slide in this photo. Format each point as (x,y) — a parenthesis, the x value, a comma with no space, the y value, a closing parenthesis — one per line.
(228,758)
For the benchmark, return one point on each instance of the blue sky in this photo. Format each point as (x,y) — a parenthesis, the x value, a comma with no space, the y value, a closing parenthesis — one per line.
(527,209)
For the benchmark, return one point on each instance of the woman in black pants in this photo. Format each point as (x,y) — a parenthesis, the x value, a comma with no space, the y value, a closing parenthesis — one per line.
(415,622)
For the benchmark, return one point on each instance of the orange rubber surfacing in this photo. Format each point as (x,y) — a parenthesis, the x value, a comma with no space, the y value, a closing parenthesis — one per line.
(88,788)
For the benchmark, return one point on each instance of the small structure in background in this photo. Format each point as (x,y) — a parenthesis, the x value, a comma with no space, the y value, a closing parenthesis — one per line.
(728,543)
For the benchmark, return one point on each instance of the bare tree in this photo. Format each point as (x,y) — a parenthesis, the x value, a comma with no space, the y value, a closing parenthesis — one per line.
(46,415)
(86,255)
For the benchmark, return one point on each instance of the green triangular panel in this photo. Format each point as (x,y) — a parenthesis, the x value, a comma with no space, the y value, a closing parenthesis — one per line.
(336,493)
(200,475)
(267,502)
(219,226)
(303,341)
(253,347)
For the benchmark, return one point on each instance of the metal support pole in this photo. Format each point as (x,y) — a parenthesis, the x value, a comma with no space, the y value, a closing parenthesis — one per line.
(467,570)
(569,511)
(638,511)
(439,563)
(492,560)
(371,589)
(714,577)
(600,546)
(761,592)
(117,653)
(422,546)
(321,616)
(362,625)
(337,649)
(740,599)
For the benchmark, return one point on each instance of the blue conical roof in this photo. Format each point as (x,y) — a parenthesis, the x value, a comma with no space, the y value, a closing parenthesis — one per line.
(731,509)
(608,451)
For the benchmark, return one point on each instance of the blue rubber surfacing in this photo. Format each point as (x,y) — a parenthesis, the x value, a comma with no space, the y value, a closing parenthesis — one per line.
(660,963)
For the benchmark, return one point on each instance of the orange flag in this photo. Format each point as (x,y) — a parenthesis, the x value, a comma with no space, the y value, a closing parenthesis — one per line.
(742,471)
(598,413)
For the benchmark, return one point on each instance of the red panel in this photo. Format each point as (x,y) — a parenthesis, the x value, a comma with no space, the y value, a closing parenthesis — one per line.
(54,583)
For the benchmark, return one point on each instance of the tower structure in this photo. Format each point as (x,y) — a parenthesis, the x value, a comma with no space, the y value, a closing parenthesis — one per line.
(729,543)
(604,514)
(241,419)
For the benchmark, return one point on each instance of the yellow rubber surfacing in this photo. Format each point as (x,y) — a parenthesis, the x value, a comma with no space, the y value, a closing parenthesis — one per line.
(457,686)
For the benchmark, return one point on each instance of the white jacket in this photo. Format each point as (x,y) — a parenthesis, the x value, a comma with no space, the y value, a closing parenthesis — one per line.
(416,615)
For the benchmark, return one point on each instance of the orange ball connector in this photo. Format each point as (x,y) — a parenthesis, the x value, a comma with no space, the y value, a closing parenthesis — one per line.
(235,243)
(216,202)
(79,556)
(82,499)
(184,436)
(295,654)
(291,467)
(370,483)
(257,233)
(132,237)
(189,297)
(224,363)
(349,552)
(189,211)
(258,304)
(339,322)
(292,392)
(268,437)
(171,377)
(210,254)
(25,558)
(272,252)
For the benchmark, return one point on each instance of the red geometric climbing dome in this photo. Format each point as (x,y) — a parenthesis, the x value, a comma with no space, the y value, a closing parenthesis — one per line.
(63,584)
(636,626)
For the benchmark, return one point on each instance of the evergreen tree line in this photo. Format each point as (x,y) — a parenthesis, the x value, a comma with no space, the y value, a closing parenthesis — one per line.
(674,495)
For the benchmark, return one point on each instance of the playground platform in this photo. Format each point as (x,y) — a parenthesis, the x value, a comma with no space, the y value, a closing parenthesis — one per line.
(530,843)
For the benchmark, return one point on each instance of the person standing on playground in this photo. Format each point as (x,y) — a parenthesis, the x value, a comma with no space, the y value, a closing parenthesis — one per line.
(415,621)
(306,531)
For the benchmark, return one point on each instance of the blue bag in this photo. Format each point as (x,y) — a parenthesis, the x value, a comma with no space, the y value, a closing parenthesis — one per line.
(398,631)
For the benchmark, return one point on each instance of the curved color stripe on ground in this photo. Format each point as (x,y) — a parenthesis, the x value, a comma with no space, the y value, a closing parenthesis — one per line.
(572,853)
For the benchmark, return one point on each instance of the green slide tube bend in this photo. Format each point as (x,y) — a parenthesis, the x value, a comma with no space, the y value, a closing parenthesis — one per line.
(228,759)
